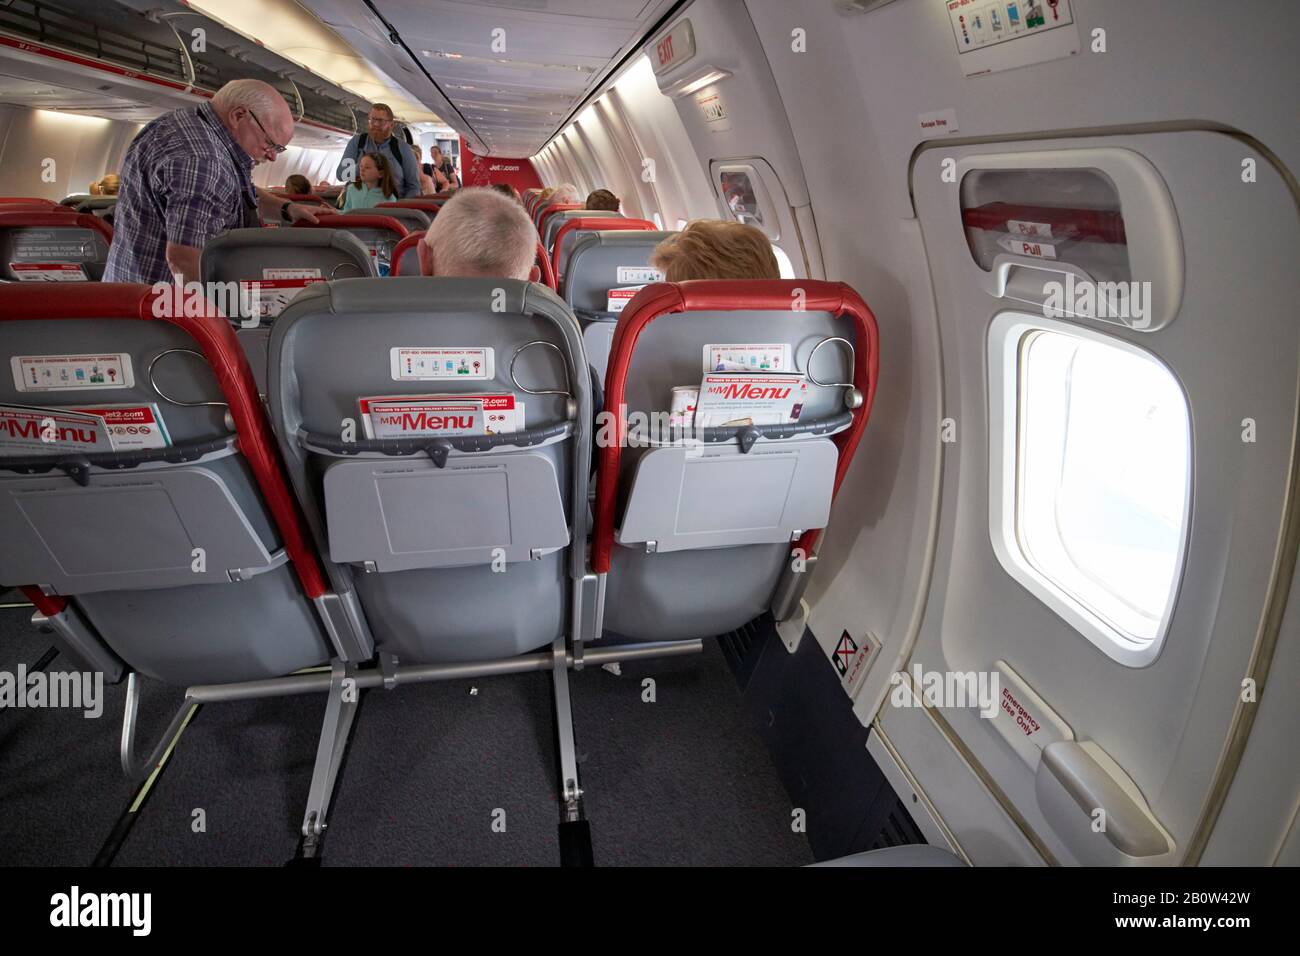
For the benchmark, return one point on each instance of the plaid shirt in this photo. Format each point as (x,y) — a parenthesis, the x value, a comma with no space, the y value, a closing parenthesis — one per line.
(185,180)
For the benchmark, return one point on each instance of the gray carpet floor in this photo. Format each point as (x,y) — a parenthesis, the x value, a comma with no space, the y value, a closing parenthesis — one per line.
(685,780)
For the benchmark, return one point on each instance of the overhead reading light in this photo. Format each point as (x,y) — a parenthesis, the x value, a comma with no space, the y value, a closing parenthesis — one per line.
(698,83)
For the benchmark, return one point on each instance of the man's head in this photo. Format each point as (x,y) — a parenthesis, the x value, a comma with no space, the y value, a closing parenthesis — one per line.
(479,232)
(565,193)
(257,116)
(381,122)
(716,249)
(603,200)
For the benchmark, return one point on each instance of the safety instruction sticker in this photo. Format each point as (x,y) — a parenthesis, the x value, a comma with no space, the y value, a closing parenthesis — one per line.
(984,30)
(268,297)
(617,299)
(1036,248)
(48,272)
(639,274)
(1022,227)
(44,245)
(131,427)
(413,364)
(428,416)
(852,660)
(71,373)
(748,398)
(770,357)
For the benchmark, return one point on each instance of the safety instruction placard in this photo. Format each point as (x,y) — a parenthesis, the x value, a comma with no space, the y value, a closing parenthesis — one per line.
(984,31)
(131,427)
(638,274)
(48,272)
(428,416)
(71,373)
(44,245)
(414,364)
(617,299)
(268,297)
(747,398)
(746,357)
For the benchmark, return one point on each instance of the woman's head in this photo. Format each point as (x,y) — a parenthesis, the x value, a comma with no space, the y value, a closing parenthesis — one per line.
(298,185)
(373,170)
(716,249)
(602,199)
(435,156)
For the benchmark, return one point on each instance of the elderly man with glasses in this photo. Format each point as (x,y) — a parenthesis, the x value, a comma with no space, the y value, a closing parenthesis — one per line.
(379,138)
(187,178)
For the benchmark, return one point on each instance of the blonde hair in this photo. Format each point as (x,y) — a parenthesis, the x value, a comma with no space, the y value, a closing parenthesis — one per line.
(547,193)
(716,249)
(481,232)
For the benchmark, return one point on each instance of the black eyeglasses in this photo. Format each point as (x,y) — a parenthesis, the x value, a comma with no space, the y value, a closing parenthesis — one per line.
(274,146)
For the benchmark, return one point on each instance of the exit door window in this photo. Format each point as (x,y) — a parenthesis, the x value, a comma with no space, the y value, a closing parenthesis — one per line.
(1095,476)
(740,197)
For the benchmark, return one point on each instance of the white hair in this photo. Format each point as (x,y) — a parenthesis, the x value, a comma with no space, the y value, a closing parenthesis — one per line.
(565,192)
(262,98)
(482,232)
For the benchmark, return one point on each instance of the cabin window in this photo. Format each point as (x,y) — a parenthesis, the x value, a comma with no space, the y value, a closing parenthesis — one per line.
(1090,495)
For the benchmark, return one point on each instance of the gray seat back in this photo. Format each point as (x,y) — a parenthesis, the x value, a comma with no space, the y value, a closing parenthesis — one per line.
(414,220)
(154,522)
(65,252)
(554,223)
(261,270)
(598,262)
(681,519)
(458,548)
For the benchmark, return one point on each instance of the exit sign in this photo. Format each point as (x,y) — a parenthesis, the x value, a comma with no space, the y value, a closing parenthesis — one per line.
(674,47)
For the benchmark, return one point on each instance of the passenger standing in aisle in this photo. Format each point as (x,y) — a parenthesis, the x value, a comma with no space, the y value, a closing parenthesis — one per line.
(379,138)
(187,178)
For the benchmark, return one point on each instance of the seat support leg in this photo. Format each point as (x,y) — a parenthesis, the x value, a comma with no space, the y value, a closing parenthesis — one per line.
(340,710)
(575,831)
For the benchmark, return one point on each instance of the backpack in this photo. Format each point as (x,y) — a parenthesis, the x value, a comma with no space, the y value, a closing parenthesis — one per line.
(392,148)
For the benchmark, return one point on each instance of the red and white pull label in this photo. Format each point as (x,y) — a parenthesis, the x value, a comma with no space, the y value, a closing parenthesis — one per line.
(48,272)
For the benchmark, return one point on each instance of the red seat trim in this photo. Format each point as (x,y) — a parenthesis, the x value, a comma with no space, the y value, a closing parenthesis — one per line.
(410,239)
(544,264)
(215,337)
(424,205)
(703,295)
(338,220)
(28,201)
(596,224)
(546,212)
(48,604)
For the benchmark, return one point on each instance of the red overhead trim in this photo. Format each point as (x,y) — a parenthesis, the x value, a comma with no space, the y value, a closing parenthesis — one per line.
(216,339)
(21,218)
(595,224)
(704,295)
(52,53)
